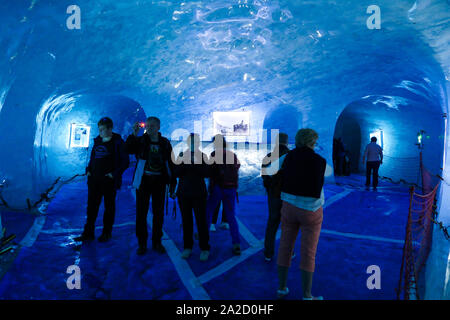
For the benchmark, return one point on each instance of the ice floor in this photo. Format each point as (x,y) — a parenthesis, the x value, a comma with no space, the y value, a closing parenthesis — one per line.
(360,228)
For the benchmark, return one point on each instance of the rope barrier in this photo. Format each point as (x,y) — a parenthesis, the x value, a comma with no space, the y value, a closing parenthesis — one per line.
(44,196)
(419,227)
(441,227)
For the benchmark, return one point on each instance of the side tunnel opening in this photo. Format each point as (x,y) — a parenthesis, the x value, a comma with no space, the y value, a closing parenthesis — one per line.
(285,118)
(65,128)
(346,145)
(404,128)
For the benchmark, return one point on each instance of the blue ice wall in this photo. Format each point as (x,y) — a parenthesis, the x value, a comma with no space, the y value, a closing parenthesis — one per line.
(53,157)
(292,64)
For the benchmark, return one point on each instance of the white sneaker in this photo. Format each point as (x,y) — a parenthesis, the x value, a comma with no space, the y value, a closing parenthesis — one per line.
(212,228)
(204,255)
(225,226)
(186,253)
(282,293)
(313,298)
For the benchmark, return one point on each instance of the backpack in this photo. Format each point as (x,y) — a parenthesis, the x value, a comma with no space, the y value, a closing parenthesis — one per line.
(273,183)
(228,174)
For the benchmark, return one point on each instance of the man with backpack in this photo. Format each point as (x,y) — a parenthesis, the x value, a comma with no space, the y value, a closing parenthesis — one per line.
(223,186)
(272,181)
(107,163)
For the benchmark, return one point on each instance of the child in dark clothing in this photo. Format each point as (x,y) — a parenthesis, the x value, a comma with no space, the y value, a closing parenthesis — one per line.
(107,163)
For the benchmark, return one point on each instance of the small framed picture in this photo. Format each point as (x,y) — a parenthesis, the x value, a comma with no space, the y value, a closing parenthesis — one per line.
(79,136)
(233,123)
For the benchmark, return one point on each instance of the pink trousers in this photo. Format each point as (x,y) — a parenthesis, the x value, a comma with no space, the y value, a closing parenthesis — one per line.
(310,223)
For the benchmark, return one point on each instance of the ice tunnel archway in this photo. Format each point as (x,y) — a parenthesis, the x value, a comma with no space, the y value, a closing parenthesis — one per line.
(286,118)
(53,155)
(348,130)
(397,120)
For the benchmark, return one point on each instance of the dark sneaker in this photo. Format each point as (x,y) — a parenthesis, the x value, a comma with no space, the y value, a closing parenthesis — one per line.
(237,249)
(204,255)
(84,237)
(141,250)
(267,259)
(186,253)
(104,237)
(159,248)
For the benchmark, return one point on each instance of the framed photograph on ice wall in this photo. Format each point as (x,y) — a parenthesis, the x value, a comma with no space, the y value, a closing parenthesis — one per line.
(79,136)
(232,123)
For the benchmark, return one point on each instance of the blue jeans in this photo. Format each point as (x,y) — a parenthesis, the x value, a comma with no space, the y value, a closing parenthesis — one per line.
(228,198)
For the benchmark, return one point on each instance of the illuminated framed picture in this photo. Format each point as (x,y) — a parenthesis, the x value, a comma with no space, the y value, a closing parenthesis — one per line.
(233,123)
(79,136)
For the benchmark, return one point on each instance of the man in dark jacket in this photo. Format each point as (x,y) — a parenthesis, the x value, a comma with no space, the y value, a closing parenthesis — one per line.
(191,169)
(107,163)
(156,151)
(272,180)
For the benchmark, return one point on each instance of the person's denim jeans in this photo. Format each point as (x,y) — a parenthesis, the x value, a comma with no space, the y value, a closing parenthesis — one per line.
(228,198)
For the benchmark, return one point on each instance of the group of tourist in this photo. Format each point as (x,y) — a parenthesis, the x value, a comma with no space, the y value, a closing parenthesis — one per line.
(293,179)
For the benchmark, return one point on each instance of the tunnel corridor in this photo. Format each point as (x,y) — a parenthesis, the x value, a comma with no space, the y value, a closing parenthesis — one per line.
(248,69)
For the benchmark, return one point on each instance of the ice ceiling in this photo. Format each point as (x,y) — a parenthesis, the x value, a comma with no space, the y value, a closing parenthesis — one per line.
(291,63)
(288,62)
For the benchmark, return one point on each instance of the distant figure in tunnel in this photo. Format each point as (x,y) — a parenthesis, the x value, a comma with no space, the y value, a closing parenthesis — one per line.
(302,198)
(107,163)
(154,152)
(339,156)
(223,186)
(272,180)
(374,156)
(191,169)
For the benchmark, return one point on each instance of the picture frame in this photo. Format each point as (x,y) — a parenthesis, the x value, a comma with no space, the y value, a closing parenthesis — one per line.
(79,135)
(232,123)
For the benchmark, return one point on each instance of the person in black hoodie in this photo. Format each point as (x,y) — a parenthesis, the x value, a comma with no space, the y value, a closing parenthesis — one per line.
(156,151)
(191,169)
(107,163)
(272,183)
